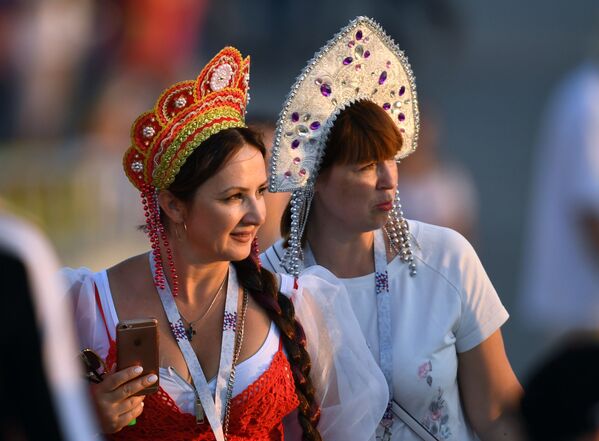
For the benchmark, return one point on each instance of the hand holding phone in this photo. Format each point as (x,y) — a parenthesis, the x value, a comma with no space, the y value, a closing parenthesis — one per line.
(137,345)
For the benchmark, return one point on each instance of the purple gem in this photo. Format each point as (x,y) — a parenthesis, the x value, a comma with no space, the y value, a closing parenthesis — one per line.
(383,77)
(325,89)
(295,144)
(295,117)
(366,54)
(386,106)
(315,125)
(359,35)
(347,60)
(401,117)
(402,90)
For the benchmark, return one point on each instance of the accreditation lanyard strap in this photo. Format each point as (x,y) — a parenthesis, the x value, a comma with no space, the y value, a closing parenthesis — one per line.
(214,408)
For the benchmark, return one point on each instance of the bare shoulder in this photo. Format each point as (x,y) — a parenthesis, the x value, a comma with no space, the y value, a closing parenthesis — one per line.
(131,284)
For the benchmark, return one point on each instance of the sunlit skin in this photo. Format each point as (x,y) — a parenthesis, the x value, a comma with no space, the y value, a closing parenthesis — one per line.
(350,202)
(225,213)
(220,221)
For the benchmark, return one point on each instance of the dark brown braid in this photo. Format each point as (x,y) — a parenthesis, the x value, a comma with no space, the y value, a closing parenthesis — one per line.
(262,286)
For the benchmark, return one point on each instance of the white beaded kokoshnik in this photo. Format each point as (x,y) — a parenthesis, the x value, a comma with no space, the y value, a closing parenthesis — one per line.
(361,62)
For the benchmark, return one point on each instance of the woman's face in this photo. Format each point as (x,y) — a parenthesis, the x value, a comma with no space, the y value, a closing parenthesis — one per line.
(227,210)
(356,197)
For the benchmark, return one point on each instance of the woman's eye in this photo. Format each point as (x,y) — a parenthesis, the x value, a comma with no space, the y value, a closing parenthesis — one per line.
(262,190)
(368,166)
(235,196)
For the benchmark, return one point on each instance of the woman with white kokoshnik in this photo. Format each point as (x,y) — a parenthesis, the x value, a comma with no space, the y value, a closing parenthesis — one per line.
(422,299)
(220,315)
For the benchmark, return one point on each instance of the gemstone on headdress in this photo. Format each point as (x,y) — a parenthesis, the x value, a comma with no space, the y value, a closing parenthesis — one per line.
(359,35)
(347,60)
(296,160)
(359,51)
(295,144)
(401,117)
(180,102)
(382,77)
(302,172)
(148,131)
(358,67)
(295,117)
(402,90)
(388,64)
(287,174)
(366,54)
(221,76)
(137,166)
(302,130)
(352,43)
(386,106)
(315,125)
(325,89)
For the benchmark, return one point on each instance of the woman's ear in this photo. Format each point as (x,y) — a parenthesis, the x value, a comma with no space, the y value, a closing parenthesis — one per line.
(173,207)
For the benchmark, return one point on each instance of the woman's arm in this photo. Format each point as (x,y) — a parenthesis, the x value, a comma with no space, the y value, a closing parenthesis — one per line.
(489,390)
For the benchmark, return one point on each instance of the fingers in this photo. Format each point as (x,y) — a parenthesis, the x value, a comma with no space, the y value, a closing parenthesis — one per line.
(119,378)
(134,409)
(115,397)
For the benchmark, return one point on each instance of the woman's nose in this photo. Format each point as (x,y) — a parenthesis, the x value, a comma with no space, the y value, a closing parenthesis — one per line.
(256,213)
(387,174)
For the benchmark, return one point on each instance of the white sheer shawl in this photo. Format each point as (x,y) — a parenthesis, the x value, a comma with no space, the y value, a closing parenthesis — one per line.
(350,387)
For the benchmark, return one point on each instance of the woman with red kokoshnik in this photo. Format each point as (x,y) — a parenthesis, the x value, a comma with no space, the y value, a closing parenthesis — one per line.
(201,175)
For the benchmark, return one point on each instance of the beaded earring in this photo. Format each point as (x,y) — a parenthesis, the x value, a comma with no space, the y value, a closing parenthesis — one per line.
(398,232)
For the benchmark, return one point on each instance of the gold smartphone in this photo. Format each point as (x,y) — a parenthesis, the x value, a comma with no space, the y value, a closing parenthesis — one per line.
(137,345)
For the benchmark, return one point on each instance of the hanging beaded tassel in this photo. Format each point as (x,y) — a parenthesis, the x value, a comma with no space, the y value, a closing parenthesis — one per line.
(398,232)
(293,260)
(156,231)
(255,252)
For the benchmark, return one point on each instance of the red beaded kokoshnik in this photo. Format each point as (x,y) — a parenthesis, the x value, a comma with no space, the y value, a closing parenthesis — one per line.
(185,115)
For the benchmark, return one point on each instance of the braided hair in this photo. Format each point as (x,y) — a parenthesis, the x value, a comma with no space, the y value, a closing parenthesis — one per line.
(206,160)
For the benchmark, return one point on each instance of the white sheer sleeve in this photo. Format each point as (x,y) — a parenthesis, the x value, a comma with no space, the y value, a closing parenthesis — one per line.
(350,387)
(91,331)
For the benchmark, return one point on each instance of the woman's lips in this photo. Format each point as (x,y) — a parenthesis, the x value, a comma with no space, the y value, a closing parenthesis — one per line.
(242,237)
(385,206)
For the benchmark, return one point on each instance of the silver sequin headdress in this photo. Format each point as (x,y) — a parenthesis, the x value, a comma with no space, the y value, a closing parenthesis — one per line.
(361,62)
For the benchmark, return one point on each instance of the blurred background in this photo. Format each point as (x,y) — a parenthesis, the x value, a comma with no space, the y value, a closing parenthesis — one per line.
(74,74)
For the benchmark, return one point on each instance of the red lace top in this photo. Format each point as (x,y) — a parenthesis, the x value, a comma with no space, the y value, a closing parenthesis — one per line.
(256,413)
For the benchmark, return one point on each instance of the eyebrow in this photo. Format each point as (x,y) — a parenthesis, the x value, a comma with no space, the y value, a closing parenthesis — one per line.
(242,189)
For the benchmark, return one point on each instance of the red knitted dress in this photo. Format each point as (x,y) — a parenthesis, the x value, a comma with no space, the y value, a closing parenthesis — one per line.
(256,413)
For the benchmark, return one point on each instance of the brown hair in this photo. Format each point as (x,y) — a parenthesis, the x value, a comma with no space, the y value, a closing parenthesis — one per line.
(362,132)
(204,162)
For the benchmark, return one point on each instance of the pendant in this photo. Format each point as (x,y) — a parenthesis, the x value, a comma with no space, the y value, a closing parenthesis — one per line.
(199,411)
(190,332)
